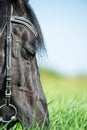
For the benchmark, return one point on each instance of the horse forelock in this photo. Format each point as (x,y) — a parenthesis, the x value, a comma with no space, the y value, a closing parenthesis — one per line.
(34,20)
(24,9)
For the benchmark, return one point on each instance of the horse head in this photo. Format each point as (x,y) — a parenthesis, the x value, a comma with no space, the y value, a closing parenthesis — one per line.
(27,92)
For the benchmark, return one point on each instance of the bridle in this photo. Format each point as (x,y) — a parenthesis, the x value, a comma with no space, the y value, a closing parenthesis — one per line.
(7,20)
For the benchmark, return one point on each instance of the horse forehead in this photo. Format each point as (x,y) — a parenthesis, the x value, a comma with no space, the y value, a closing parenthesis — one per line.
(23,33)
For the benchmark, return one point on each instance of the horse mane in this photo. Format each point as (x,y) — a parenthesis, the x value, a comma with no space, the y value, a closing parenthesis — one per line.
(23,7)
(34,20)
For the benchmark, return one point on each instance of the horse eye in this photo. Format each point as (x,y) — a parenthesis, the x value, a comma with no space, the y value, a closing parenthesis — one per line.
(28,53)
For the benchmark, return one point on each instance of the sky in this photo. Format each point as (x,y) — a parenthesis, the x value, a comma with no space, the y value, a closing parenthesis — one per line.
(64,27)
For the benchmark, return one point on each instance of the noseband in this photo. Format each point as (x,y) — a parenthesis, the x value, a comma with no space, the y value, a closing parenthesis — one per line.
(7,20)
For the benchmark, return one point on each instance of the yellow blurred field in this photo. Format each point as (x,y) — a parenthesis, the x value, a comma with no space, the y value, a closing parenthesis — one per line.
(56,86)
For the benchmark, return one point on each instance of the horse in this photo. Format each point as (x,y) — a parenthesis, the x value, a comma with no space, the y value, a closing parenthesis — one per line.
(26,88)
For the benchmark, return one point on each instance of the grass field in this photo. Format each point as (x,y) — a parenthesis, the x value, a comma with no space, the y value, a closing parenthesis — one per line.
(67,102)
(67,99)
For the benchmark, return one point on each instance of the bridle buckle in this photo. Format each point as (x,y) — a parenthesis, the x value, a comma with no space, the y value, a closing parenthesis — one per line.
(8,113)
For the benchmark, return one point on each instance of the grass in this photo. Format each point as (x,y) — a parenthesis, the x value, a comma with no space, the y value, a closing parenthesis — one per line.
(67,99)
(67,102)
(71,115)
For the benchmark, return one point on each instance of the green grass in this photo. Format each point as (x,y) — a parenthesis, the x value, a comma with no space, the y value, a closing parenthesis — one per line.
(70,115)
(67,102)
(67,99)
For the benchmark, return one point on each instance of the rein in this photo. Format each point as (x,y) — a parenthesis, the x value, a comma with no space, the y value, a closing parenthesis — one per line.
(7,20)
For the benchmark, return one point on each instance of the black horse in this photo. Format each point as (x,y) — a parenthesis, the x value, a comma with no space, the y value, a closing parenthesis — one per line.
(27,93)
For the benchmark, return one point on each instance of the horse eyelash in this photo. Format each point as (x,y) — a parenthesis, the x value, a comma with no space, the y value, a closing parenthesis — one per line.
(28,53)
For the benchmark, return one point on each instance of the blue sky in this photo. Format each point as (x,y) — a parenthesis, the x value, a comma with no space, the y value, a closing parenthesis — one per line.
(64,26)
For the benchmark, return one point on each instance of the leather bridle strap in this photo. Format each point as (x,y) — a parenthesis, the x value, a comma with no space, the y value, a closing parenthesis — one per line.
(4,117)
(25,22)
(3,26)
(8,56)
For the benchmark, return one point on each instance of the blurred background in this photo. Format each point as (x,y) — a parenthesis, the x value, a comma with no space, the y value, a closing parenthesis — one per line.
(64,72)
(64,27)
